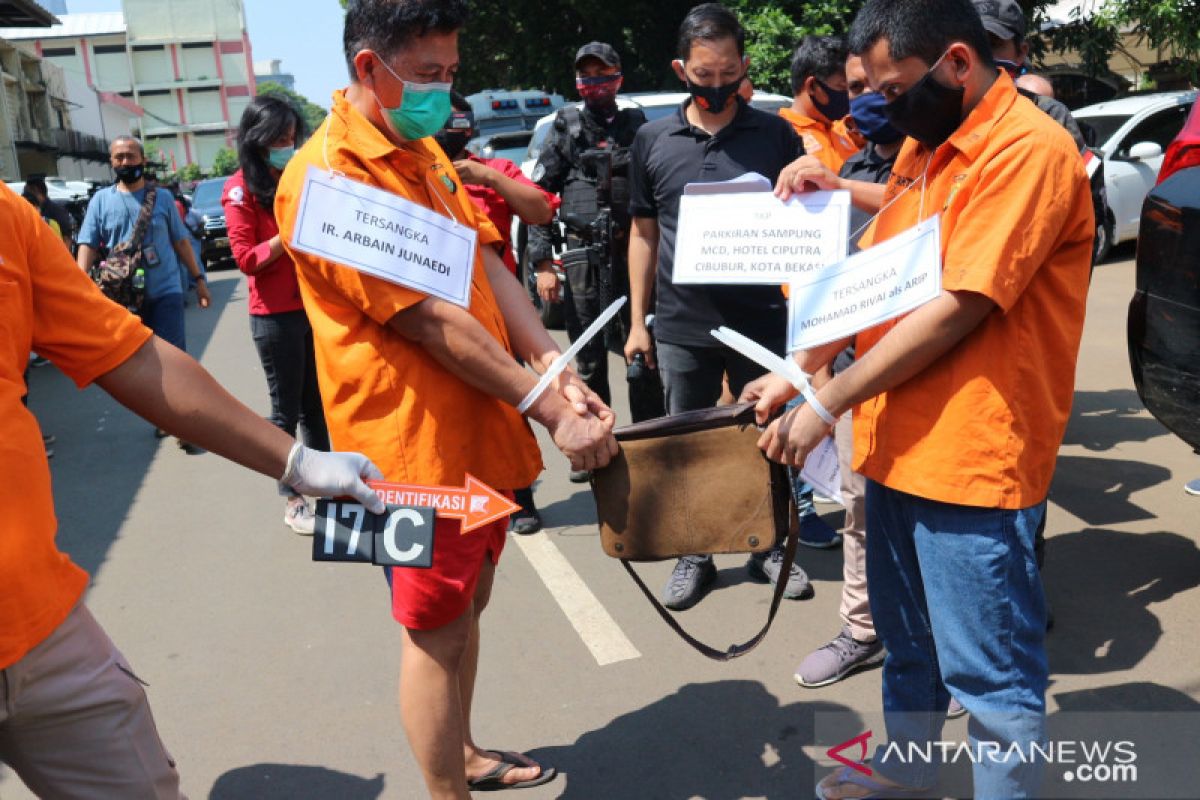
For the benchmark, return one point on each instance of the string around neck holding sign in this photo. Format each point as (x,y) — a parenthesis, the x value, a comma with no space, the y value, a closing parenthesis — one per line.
(889,203)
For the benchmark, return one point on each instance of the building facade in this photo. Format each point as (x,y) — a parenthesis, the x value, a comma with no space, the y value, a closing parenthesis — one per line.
(187,63)
(44,125)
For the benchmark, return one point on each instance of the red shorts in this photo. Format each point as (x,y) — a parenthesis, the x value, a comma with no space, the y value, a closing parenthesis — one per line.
(424,599)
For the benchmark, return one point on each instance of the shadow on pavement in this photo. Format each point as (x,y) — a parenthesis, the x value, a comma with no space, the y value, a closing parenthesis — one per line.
(288,781)
(103,451)
(1101,584)
(728,739)
(578,510)
(1102,420)
(1141,697)
(1099,490)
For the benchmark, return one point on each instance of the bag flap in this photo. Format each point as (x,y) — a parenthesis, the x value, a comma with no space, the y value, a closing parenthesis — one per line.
(688,422)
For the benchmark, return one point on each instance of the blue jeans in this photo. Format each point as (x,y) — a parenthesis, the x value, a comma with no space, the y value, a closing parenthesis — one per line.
(957,601)
(164,316)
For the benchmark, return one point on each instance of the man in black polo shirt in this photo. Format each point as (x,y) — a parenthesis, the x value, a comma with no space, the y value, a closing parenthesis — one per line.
(714,136)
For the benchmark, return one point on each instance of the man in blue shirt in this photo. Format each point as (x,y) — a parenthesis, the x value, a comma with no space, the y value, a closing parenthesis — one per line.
(111,217)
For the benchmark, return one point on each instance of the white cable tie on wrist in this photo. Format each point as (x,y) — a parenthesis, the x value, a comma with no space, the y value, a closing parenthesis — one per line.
(784,367)
(293,455)
(564,360)
(810,397)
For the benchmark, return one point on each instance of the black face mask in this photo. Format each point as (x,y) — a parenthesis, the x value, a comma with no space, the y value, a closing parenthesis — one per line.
(453,142)
(130,173)
(838,104)
(713,99)
(928,112)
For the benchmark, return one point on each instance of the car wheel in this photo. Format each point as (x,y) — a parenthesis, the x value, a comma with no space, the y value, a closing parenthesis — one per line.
(1103,242)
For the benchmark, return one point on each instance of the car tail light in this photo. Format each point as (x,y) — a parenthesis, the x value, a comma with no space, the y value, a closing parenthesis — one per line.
(1184,152)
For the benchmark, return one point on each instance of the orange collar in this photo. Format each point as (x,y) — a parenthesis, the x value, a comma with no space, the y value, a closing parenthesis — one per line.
(796,118)
(358,135)
(971,135)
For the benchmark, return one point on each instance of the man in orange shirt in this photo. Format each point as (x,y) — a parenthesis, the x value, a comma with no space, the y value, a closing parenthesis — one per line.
(74,721)
(821,100)
(425,386)
(960,406)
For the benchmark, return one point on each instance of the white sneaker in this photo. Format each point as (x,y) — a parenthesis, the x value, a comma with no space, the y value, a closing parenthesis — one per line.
(299,516)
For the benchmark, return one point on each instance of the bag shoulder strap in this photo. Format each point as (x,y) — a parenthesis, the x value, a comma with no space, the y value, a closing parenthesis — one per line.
(143,220)
(785,526)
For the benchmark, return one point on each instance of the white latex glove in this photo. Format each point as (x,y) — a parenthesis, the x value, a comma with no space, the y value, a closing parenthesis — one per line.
(319,474)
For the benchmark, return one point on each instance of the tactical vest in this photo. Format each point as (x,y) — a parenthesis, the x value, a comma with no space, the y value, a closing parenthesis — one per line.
(579,195)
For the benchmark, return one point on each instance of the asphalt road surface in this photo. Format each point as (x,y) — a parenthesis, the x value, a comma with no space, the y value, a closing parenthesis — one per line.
(272,676)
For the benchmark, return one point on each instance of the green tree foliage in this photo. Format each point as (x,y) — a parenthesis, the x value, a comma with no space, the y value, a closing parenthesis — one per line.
(312,114)
(774,29)
(225,162)
(155,158)
(189,173)
(531,43)
(1170,25)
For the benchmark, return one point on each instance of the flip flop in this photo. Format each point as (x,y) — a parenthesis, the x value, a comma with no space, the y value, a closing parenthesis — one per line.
(493,781)
(878,791)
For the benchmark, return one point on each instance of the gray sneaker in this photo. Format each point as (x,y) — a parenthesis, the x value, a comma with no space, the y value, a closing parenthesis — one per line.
(955,710)
(688,582)
(767,567)
(834,661)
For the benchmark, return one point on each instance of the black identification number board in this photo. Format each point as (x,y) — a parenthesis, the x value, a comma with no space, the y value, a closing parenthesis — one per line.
(402,536)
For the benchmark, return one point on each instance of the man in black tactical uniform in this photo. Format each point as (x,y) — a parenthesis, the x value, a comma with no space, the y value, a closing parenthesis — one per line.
(586,160)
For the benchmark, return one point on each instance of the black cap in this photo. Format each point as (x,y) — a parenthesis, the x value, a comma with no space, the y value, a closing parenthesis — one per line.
(1003,18)
(599,50)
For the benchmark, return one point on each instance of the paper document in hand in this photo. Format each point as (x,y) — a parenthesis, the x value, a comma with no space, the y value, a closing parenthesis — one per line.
(750,182)
(823,471)
(870,287)
(754,238)
(386,236)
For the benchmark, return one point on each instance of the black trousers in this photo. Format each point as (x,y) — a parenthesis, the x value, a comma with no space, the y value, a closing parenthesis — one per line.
(285,348)
(584,299)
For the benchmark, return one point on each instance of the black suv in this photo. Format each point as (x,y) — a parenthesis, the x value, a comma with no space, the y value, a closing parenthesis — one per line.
(206,201)
(1164,316)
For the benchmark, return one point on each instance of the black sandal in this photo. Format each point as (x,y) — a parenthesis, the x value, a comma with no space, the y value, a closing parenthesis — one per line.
(493,781)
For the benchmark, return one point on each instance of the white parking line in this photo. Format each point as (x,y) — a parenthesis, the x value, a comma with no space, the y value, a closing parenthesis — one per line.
(593,623)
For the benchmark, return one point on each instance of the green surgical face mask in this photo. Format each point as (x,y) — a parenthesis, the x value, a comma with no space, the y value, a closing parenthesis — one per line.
(278,157)
(424,108)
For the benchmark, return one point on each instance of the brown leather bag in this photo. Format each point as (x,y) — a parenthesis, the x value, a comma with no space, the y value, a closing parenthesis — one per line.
(694,484)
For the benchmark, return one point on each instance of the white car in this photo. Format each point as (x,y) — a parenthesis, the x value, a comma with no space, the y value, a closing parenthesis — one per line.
(653,104)
(1132,133)
(60,191)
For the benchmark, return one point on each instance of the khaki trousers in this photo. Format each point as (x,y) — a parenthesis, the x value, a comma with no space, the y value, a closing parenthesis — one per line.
(75,723)
(856,611)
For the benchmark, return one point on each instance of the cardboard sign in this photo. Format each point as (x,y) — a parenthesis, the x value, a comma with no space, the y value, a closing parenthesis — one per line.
(402,536)
(870,287)
(385,236)
(738,232)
